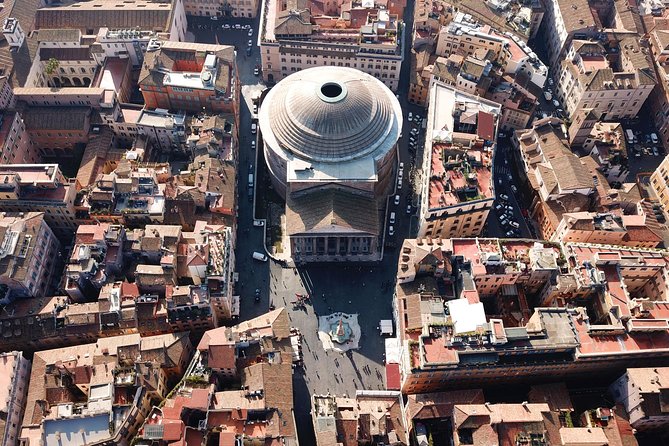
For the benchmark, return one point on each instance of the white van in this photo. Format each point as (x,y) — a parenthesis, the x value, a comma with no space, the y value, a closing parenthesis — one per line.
(630,136)
(259,256)
(392,218)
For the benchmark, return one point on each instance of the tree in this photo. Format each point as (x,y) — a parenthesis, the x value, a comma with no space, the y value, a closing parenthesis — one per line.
(51,66)
(50,69)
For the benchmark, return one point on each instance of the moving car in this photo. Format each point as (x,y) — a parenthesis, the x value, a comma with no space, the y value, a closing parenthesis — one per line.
(257,295)
(254,127)
(258,222)
(399,183)
(253,145)
(214,17)
(255,109)
(397,199)
(250,32)
(409,209)
(410,116)
(256,71)
(226,26)
(250,42)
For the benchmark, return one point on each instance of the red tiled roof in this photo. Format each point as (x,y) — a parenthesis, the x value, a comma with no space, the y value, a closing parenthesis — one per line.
(486,126)
(172,430)
(221,356)
(392,376)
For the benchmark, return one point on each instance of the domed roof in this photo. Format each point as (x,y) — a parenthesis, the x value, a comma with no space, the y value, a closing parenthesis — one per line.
(331,114)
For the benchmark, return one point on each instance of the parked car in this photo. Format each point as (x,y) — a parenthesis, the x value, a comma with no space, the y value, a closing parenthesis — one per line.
(548,96)
(256,71)
(410,116)
(409,209)
(258,222)
(237,26)
(253,144)
(250,42)
(248,50)
(255,109)
(655,152)
(392,218)
(401,166)
(214,17)
(514,188)
(391,230)
(254,127)
(514,224)
(259,256)
(399,183)
(246,26)
(226,26)
(397,199)
(250,33)
(654,138)
(499,207)
(556,103)
(504,197)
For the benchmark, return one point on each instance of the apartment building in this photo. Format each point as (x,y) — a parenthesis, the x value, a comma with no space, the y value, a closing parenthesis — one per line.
(190,76)
(615,89)
(560,182)
(301,34)
(133,193)
(368,417)
(97,254)
(15,142)
(257,408)
(606,228)
(234,8)
(101,393)
(659,181)
(463,316)
(165,17)
(563,21)
(14,376)
(40,188)
(517,104)
(457,189)
(28,257)
(642,392)
(465,36)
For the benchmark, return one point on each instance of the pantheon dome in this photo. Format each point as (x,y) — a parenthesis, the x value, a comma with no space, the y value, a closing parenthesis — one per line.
(329,125)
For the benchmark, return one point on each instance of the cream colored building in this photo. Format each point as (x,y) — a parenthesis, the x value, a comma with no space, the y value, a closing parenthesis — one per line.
(465,36)
(659,181)
(588,80)
(457,189)
(14,380)
(295,36)
(222,8)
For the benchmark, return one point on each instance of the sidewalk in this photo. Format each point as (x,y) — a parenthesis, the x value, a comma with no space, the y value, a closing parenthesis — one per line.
(284,255)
